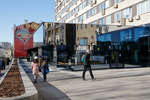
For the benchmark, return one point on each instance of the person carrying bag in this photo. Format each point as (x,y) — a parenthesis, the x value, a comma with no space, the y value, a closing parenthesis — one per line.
(45,70)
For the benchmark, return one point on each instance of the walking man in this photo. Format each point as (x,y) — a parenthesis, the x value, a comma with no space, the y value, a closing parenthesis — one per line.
(44,70)
(87,65)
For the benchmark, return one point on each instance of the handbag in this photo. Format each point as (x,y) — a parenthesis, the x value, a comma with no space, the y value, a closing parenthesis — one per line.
(47,70)
(83,59)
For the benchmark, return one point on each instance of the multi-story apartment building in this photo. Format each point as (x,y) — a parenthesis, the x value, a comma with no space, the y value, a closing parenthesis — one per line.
(5,45)
(108,12)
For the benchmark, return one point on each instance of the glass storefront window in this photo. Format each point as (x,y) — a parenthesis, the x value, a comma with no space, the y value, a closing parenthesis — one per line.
(104,37)
(83,41)
(126,35)
(138,32)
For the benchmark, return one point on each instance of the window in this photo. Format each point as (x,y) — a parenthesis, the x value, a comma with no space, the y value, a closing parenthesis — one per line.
(104,37)
(94,11)
(138,32)
(107,4)
(80,19)
(143,7)
(84,16)
(126,35)
(108,19)
(89,13)
(90,2)
(117,17)
(117,1)
(84,41)
(101,6)
(127,13)
(83,4)
(80,7)
(101,21)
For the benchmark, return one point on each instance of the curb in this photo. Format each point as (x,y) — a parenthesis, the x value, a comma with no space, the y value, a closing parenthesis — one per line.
(30,91)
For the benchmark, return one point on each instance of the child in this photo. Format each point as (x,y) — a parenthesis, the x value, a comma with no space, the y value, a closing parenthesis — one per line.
(35,69)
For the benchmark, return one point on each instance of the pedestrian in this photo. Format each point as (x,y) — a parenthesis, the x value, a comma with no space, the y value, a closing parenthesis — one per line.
(7,60)
(0,66)
(35,68)
(40,63)
(87,65)
(45,70)
(3,63)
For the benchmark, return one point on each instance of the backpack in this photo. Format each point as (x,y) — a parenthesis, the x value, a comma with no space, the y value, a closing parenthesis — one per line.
(83,59)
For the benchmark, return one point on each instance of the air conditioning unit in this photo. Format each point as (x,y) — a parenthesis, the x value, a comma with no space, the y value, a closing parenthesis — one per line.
(137,17)
(76,14)
(67,1)
(119,25)
(67,10)
(130,19)
(103,12)
(95,1)
(116,6)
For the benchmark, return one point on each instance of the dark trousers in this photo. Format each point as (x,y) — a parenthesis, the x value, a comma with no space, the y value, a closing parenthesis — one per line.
(87,67)
(44,76)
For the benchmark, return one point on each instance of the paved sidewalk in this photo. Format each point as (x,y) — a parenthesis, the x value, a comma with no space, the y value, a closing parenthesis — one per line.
(101,66)
(110,84)
(46,91)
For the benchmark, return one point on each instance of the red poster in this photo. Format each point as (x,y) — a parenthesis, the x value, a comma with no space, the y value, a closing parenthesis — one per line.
(23,38)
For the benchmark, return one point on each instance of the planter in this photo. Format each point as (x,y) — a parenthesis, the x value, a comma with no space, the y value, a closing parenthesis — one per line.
(16,85)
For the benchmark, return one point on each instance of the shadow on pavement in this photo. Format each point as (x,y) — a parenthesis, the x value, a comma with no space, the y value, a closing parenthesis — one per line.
(46,91)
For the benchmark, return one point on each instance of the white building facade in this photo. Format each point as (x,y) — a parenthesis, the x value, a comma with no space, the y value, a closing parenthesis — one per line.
(108,12)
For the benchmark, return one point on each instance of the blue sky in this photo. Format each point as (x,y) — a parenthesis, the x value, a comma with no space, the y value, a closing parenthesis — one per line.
(16,11)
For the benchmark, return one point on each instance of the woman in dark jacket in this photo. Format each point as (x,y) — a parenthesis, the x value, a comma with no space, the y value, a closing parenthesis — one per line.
(44,70)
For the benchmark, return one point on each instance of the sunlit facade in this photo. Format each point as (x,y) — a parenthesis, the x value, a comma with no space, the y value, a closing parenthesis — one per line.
(110,12)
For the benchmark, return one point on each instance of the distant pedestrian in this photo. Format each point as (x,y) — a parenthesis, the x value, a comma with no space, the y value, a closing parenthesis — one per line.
(7,61)
(87,65)
(0,66)
(45,70)
(3,63)
(40,63)
(35,69)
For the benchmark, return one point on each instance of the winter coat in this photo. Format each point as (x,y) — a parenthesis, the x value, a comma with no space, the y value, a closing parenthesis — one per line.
(35,68)
(44,68)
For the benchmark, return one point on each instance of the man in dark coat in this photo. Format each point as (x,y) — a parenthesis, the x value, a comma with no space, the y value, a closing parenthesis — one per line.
(3,63)
(44,70)
(87,65)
